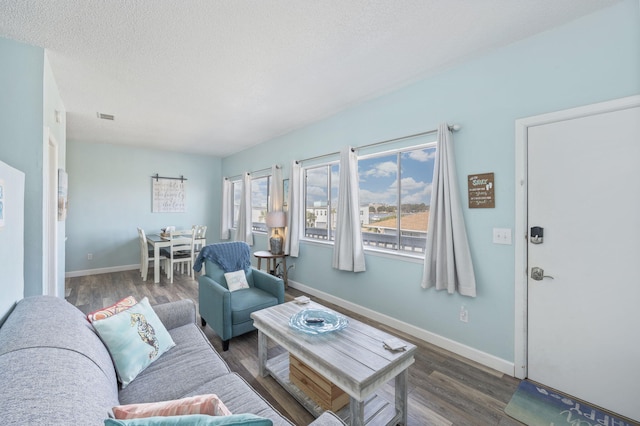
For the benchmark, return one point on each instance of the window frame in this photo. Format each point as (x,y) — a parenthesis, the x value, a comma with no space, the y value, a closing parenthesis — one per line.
(234,221)
(330,217)
(398,152)
(386,252)
(234,214)
(255,229)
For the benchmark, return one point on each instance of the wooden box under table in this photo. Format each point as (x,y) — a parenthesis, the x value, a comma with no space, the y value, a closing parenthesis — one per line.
(322,391)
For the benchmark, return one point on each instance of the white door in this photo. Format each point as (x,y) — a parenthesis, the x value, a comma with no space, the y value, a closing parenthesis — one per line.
(583,186)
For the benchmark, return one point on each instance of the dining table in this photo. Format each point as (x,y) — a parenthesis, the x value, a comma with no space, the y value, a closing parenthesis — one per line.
(157,241)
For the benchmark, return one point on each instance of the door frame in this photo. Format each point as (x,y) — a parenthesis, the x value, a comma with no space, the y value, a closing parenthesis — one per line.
(521,209)
(49,214)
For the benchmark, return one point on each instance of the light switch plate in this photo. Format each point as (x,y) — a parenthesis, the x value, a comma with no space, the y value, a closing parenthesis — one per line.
(502,236)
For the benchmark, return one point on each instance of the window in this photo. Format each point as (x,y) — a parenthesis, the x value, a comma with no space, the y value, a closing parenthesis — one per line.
(395,193)
(237,194)
(321,201)
(259,202)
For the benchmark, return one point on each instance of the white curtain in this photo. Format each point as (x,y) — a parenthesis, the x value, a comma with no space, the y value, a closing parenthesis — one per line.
(226,221)
(276,197)
(245,233)
(447,263)
(348,250)
(296,213)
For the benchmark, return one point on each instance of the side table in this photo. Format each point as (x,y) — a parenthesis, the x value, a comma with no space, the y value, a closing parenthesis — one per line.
(273,259)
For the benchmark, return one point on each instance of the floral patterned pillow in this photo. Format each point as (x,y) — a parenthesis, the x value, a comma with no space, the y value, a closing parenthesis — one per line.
(119,306)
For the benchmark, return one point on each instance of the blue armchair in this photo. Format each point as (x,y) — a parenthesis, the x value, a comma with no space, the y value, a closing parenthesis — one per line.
(228,312)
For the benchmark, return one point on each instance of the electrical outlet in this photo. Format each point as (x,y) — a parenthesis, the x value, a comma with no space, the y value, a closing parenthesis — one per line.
(89,256)
(464,314)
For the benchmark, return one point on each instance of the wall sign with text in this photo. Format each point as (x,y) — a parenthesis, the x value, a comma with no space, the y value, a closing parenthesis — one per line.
(481,191)
(169,195)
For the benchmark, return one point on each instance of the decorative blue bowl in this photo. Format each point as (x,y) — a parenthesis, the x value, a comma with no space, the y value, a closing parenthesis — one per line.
(317,321)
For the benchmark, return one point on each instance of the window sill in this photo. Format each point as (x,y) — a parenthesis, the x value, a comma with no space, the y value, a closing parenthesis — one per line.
(317,242)
(396,255)
(402,256)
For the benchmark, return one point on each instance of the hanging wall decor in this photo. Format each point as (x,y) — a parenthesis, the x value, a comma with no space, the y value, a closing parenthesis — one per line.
(168,194)
(481,191)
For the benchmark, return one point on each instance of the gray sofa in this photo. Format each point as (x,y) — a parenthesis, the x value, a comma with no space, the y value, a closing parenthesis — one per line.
(55,370)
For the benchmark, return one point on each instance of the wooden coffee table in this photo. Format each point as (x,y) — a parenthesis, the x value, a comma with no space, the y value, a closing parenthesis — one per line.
(354,359)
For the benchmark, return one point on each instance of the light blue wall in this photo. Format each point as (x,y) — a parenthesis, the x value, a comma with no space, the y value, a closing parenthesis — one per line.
(110,196)
(52,102)
(21,120)
(595,58)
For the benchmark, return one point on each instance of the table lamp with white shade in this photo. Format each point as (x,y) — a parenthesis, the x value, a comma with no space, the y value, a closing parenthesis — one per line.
(276,220)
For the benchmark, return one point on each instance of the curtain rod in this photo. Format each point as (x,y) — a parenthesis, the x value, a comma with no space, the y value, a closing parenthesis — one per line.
(181,178)
(452,128)
(317,156)
(278,166)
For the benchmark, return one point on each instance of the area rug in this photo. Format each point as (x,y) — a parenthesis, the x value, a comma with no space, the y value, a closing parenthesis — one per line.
(535,405)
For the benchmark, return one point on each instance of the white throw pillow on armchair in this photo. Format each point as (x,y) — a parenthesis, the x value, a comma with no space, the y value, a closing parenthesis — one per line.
(236,280)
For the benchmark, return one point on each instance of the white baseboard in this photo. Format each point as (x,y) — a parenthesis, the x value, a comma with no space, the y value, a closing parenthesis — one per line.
(491,361)
(72,274)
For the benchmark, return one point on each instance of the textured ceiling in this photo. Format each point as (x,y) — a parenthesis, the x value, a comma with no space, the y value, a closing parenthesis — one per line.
(217,77)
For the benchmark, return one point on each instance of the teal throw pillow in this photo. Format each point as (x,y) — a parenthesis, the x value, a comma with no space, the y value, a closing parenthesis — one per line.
(194,420)
(135,338)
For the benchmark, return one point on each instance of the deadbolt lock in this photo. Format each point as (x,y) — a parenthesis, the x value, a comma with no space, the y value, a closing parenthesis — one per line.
(536,235)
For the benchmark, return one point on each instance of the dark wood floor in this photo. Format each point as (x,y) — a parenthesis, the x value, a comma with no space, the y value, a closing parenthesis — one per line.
(444,388)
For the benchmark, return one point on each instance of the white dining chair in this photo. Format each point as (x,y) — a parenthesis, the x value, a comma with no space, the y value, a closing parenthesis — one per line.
(146,254)
(201,231)
(180,252)
(199,236)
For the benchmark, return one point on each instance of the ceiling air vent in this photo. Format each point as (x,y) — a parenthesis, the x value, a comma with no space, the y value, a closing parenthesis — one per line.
(106,116)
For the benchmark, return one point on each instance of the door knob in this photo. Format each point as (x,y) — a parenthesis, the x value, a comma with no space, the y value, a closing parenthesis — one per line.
(538,274)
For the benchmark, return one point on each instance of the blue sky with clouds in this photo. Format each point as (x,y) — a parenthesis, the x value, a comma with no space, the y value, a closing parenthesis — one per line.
(379,177)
